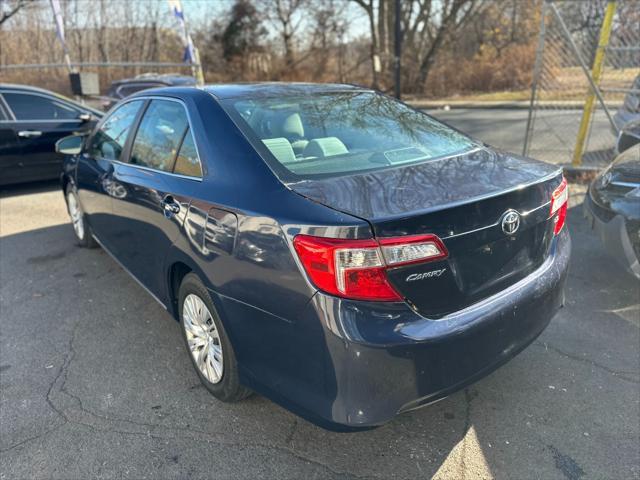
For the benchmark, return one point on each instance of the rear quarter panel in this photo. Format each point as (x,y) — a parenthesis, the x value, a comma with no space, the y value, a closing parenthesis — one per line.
(237,239)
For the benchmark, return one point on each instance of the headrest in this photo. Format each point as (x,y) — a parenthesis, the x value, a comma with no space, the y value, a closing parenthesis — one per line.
(281,149)
(324,147)
(290,126)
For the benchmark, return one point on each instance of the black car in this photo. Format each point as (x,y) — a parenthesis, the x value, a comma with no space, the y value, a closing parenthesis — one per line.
(629,111)
(32,120)
(612,203)
(628,137)
(323,245)
(123,88)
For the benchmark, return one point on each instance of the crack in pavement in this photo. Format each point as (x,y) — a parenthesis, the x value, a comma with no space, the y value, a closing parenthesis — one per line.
(82,416)
(30,439)
(623,375)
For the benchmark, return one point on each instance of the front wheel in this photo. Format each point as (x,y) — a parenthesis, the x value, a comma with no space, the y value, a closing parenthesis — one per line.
(78,220)
(207,342)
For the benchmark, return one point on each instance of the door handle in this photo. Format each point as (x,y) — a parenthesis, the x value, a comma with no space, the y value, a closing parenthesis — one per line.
(29,133)
(170,206)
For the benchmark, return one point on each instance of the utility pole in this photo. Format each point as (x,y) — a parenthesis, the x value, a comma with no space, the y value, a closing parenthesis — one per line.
(397,49)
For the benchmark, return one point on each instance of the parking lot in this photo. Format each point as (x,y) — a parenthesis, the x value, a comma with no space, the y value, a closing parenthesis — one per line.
(505,128)
(95,382)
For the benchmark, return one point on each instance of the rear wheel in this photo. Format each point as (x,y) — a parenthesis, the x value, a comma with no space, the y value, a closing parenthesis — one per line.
(78,220)
(207,342)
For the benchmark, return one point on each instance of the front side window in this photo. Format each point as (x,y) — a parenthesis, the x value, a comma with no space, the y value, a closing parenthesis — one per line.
(340,133)
(187,162)
(109,140)
(26,106)
(159,135)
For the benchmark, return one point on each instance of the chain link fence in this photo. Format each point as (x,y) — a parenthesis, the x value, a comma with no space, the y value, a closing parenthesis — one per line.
(586,80)
(55,76)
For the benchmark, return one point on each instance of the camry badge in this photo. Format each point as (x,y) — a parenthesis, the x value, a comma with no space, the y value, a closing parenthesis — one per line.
(510,222)
(420,276)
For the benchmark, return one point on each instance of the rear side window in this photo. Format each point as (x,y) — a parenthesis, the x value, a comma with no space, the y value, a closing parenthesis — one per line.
(188,162)
(26,106)
(109,140)
(159,135)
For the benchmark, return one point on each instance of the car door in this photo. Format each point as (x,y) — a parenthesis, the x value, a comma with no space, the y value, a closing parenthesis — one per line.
(148,219)
(10,154)
(94,173)
(39,122)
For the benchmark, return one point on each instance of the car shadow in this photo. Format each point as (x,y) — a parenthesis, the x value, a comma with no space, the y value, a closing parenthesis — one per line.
(28,188)
(598,158)
(95,354)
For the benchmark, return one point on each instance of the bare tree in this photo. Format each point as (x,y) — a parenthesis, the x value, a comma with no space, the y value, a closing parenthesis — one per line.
(285,16)
(328,26)
(449,46)
(426,24)
(452,15)
(369,6)
(9,8)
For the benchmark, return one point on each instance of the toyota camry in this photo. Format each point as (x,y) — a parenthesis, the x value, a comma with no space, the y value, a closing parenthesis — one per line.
(325,246)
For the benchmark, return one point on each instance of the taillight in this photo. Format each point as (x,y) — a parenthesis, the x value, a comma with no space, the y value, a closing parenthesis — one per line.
(356,269)
(559,203)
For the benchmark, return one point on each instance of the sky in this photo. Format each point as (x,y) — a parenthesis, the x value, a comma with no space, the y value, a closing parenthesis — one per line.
(198,13)
(201,12)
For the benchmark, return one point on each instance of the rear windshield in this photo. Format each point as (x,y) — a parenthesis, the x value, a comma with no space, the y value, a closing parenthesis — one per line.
(341,133)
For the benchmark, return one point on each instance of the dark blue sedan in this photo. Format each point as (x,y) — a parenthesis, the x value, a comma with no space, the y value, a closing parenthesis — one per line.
(326,246)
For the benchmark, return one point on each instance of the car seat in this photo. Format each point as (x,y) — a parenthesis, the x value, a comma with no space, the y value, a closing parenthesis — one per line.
(289,125)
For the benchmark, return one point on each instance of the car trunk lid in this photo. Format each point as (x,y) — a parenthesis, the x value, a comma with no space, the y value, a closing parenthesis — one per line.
(464,200)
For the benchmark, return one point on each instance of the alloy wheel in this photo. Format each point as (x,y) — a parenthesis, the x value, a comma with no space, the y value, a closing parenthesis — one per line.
(203,338)
(75,212)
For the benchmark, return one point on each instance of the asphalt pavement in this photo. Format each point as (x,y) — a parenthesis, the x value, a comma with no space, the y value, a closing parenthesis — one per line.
(95,382)
(554,133)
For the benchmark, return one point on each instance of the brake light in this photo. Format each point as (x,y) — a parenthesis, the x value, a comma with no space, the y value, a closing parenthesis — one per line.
(356,269)
(559,203)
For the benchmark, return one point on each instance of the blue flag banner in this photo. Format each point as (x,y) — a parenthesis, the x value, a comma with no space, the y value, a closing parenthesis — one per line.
(57,15)
(176,9)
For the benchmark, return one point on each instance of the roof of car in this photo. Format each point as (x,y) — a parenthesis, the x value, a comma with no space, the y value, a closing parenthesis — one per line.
(29,88)
(167,79)
(273,89)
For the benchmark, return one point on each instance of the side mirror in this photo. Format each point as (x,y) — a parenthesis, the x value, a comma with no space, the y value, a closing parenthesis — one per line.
(84,117)
(71,145)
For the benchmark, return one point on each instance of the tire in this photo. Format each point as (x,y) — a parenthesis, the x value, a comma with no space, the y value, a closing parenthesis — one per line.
(202,332)
(81,228)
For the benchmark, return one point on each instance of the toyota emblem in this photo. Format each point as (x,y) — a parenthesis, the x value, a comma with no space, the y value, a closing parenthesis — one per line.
(510,222)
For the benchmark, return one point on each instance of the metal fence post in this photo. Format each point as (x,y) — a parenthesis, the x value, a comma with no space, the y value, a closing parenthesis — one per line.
(596,72)
(536,77)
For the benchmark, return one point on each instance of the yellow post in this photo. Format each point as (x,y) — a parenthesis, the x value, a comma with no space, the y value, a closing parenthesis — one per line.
(198,73)
(596,72)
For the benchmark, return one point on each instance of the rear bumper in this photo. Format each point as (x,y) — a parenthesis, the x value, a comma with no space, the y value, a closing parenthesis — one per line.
(612,231)
(383,359)
(348,365)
